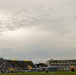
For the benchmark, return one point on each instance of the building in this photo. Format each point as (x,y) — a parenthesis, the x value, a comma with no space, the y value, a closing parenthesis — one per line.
(61,63)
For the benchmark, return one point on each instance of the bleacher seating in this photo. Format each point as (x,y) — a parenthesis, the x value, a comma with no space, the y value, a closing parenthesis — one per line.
(30,64)
(16,65)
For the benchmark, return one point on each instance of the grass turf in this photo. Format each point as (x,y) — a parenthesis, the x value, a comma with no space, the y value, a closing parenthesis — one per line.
(41,73)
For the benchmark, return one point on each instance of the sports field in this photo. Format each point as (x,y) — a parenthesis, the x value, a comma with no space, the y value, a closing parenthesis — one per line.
(41,73)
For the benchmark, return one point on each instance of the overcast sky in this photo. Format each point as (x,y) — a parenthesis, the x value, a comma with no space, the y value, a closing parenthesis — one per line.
(38,30)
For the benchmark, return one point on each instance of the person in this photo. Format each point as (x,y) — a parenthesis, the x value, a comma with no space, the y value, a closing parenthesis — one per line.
(46,70)
(72,68)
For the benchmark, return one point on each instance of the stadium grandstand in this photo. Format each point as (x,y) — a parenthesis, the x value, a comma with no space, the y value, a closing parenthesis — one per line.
(16,65)
(30,64)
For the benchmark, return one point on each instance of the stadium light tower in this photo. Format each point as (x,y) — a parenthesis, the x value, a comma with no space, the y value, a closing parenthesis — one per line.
(0,45)
(1,29)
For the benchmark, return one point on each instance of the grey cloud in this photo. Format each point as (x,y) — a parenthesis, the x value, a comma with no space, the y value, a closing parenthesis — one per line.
(46,16)
(55,31)
(36,15)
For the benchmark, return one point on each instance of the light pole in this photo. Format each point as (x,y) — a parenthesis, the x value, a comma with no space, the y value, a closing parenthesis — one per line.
(0,45)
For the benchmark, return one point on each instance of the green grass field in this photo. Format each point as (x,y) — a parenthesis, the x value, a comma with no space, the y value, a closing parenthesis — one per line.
(41,73)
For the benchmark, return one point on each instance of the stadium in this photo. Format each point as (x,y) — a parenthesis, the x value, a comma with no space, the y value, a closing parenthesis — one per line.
(23,66)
